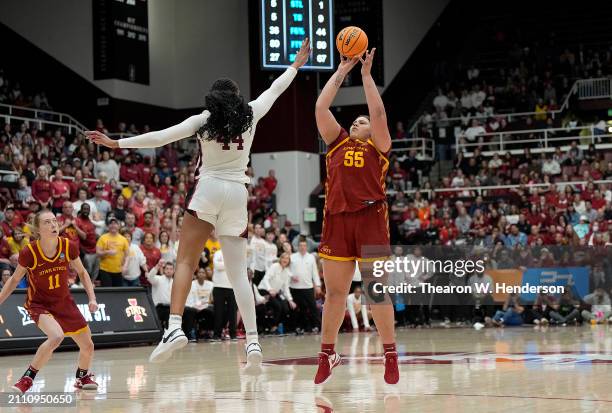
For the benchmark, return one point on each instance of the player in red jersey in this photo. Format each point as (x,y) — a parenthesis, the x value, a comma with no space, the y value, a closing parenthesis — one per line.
(49,303)
(355,213)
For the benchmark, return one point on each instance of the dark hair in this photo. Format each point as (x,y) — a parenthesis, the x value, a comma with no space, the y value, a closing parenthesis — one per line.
(230,115)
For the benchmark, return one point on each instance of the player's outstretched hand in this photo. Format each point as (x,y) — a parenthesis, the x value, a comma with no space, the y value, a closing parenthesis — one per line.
(303,54)
(93,306)
(366,64)
(347,64)
(101,139)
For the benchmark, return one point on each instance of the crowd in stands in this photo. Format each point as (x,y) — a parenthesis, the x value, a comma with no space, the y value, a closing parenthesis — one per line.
(534,80)
(11,93)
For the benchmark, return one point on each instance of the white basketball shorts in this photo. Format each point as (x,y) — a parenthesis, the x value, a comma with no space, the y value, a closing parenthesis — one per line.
(221,203)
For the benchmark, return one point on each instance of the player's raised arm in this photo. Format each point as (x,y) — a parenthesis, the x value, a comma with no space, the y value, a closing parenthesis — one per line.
(12,283)
(378,115)
(264,102)
(154,139)
(326,122)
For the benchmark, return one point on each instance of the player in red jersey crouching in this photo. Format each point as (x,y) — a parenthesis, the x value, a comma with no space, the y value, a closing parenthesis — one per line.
(49,303)
(355,213)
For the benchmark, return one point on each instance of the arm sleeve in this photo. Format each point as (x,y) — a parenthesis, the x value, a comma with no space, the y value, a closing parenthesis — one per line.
(26,259)
(155,139)
(264,102)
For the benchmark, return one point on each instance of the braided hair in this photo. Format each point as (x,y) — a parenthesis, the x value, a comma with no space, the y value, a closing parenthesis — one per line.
(230,115)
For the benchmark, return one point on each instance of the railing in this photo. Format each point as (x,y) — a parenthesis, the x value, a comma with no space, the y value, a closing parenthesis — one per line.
(537,140)
(509,117)
(481,190)
(425,148)
(4,173)
(600,88)
(42,117)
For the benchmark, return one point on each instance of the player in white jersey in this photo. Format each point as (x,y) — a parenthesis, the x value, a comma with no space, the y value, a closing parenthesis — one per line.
(225,131)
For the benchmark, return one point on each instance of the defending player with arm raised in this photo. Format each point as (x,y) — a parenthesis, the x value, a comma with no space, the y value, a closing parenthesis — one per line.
(49,302)
(225,132)
(355,212)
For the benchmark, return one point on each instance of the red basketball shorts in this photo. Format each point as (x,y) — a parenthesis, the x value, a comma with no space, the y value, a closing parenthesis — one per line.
(361,235)
(65,312)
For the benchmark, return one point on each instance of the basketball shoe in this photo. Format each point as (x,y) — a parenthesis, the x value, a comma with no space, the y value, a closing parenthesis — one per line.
(171,341)
(254,357)
(86,383)
(391,369)
(326,364)
(23,385)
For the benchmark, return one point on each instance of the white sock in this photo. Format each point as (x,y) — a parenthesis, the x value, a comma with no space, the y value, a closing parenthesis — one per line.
(235,257)
(252,337)
(175,321)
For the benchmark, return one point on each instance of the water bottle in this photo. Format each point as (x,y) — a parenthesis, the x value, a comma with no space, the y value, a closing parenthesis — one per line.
(281,328)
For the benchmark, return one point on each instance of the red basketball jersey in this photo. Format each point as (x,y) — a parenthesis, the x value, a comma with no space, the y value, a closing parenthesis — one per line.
(48,277)
(356,173)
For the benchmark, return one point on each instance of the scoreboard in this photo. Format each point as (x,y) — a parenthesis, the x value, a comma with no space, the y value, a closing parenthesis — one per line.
(285,23)
(121,40)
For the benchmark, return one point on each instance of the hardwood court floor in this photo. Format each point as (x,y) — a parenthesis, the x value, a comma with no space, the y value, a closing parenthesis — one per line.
(442,370)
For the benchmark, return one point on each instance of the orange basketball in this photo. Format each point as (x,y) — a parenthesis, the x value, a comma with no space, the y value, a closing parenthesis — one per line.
(352,41)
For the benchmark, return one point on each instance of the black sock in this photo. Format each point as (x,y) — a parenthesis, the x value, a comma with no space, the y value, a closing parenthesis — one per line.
(30,372)
(81,373)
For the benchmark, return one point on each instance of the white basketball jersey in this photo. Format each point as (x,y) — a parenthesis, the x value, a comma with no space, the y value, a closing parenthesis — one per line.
(227,161)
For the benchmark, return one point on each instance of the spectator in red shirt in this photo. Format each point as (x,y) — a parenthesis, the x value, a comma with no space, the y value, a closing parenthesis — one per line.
(137,206)
(597,201)
(12,221)
(67,225)
(149,225)
(145,170)
(60,191)
(171,155)
(155,186)
(166,190)
(87,235)
(151,253)
(129,170)
(41,187)
(398,175)
(261,192)
(77,184)
(270,181)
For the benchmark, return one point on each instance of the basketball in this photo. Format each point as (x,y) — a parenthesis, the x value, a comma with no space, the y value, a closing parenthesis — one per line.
(352,41)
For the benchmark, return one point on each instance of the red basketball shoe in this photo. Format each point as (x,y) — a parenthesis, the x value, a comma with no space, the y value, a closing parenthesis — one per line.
(391,369)
(326,364)
(86,383)
(23,385)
